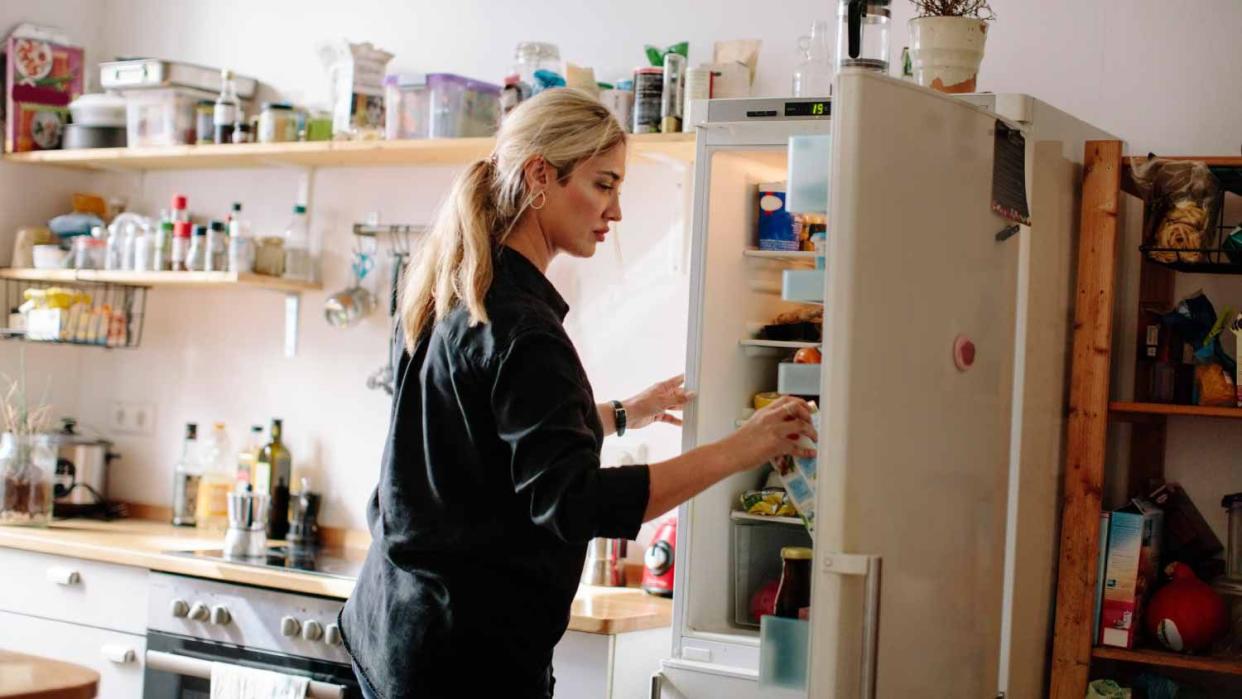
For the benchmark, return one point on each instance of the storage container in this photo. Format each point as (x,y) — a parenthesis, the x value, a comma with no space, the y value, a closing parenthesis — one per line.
(461,107)
(798,379)
(407,106)
(161,117)
(439,105)
(803,285)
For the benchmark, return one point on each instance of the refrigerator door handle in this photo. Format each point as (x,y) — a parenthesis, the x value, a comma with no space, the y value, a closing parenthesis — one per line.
(869,568)
(657,684)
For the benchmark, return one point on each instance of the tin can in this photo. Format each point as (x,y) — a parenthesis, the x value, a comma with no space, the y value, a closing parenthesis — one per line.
(621,104)
(672,93)
(648,89)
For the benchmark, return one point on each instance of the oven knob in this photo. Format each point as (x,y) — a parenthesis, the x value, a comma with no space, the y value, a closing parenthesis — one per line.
(290,627)
(200,612)
(220,615)
(332,635)
(312,630)
(179,608)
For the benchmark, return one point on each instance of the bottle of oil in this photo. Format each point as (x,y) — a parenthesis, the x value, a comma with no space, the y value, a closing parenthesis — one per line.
(185,479)
(273,470)
(217,481)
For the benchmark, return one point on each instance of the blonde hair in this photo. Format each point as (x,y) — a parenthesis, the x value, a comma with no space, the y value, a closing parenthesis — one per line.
(454,264)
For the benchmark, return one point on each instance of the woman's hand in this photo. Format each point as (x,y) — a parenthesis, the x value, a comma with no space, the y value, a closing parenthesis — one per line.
(771,432)
(653,404)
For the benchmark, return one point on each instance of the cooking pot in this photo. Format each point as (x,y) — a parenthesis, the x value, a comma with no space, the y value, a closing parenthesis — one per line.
(81,466)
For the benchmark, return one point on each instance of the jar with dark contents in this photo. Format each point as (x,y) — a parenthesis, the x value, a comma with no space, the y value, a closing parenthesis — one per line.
(794,593)
(204,129)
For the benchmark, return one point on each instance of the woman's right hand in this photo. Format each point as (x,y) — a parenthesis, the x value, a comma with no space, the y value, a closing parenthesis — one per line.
(771,432)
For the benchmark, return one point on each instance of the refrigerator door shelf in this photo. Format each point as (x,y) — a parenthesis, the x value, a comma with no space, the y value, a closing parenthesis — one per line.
(803,285)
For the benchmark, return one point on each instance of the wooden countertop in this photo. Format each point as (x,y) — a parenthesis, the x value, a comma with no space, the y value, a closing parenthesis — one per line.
(145,544)
(31,677)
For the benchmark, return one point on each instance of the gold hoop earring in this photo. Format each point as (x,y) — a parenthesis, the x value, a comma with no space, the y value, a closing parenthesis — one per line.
(542,197)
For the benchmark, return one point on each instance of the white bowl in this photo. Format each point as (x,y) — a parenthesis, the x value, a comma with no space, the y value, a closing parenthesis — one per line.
(100,109)
(49,257)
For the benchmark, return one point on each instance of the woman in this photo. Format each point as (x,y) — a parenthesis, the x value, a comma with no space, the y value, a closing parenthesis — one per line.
(491,483)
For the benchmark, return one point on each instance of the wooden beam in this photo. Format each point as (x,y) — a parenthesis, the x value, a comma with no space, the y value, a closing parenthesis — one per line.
(1088,419)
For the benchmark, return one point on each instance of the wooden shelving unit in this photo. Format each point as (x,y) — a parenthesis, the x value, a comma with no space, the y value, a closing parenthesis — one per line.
(1106,178)
(1156,658)
(1128,409)
(438,151)
(163,279)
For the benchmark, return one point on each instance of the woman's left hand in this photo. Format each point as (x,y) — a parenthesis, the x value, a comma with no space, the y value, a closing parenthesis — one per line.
(653,404)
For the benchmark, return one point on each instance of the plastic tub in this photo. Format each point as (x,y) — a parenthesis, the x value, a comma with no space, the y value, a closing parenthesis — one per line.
(161,117)
(460,107)
(49,257)
(407,106)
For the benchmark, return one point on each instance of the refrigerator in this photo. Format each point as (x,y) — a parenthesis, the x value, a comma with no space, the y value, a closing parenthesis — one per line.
(935,536)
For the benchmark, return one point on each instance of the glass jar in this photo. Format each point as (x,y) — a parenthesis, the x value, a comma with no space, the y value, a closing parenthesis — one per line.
(204,129)
(813,75)
(794,593)
(27,470)
(530,56)
(1233,554)
(867,23)
(278,123)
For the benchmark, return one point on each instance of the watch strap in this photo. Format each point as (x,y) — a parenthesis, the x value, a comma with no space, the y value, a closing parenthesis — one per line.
(618,417)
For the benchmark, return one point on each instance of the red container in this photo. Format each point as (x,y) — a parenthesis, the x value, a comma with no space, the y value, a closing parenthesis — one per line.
(658,561)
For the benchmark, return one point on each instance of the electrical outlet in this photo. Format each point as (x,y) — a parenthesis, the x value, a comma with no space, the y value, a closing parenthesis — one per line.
(132,418)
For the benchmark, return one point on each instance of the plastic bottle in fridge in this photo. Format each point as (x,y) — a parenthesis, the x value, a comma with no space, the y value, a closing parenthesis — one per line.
(297,247)
(216,481)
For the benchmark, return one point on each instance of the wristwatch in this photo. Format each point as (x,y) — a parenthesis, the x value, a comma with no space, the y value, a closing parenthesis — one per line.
(618,417)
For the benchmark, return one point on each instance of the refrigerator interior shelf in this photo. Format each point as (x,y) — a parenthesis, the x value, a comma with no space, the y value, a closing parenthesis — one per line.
(739,516)
(773,348)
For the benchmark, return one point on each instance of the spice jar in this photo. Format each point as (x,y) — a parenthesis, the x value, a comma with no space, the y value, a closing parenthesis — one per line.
(278,123)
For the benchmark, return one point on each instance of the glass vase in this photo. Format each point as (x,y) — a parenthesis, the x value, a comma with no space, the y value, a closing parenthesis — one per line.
(27,469)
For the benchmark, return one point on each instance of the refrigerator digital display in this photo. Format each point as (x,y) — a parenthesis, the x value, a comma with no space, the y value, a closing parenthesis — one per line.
(808,108)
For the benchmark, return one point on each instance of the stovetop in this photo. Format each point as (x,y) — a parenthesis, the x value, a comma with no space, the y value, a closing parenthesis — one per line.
(316,561)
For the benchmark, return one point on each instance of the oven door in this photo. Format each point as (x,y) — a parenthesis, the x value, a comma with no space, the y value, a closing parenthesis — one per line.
(180,668)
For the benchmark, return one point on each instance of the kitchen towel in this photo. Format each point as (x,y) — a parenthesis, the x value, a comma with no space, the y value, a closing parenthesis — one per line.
(235,682)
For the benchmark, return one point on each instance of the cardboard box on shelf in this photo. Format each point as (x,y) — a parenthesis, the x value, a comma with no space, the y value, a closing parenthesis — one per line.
(41,78)
(1130,571)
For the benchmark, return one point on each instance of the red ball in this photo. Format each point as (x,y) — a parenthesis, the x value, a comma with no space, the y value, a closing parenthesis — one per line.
(1187,615)
(764,600)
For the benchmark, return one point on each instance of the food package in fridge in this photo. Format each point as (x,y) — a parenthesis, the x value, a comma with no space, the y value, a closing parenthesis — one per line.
(774,226)
(356,81)
(798,475)
(41,78)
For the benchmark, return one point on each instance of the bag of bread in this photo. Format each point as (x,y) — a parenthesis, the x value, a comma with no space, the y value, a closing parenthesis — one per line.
(1182,198)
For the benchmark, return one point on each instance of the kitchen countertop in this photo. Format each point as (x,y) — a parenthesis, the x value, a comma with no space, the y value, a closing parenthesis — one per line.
(145,544)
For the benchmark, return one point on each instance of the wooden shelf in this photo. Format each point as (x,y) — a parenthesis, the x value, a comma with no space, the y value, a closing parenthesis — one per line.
(1220,666)
(439,151)
(162,279)
(1120,408)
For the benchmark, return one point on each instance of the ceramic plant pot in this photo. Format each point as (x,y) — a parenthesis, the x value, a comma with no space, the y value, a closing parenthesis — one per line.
(947,51)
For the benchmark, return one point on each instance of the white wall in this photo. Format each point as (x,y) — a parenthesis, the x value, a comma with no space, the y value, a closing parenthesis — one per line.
(1156,73)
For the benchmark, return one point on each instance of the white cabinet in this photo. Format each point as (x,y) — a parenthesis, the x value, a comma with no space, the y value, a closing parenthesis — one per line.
(608,666)
(116,656)
(74,590)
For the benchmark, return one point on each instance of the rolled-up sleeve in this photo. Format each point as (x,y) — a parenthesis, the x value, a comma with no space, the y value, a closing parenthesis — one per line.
(542,407)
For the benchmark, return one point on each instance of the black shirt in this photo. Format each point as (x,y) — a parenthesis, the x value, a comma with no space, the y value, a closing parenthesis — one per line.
(489,489)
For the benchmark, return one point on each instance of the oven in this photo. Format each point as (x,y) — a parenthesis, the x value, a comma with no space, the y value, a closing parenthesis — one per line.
(193,623)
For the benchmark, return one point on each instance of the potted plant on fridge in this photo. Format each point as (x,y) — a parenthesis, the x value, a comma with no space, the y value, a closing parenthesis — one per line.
(946,42)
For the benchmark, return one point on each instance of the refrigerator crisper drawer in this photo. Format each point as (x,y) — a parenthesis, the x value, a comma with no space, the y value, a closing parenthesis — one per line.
(803,285)
(798,379)
(757,560)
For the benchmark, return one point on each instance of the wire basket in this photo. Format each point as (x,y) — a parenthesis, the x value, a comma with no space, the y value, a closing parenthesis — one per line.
(1217,255)
(91,314)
